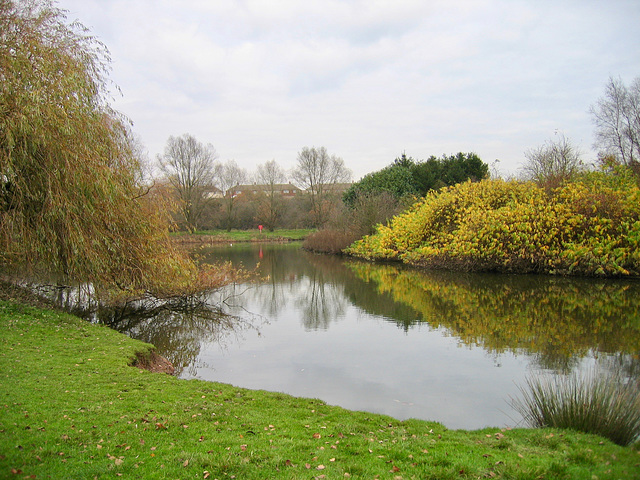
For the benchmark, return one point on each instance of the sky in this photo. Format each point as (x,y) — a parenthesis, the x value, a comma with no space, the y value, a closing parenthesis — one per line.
(367,79)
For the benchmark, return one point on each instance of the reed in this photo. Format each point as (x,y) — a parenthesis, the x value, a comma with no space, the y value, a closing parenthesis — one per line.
(598,402)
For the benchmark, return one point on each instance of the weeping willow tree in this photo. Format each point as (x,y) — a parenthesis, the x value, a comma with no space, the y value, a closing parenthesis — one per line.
(70,202)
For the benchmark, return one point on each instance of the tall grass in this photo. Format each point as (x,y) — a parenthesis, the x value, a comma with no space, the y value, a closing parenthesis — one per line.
(598,402)
(330,241)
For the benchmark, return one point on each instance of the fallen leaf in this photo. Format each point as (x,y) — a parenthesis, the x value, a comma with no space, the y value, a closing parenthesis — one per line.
(317,435)
(320,467)
(307,466)
(206,474)
(186,463)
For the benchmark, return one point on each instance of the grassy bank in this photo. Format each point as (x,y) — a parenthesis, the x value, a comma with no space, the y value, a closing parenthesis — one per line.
(72,407)
(222,236)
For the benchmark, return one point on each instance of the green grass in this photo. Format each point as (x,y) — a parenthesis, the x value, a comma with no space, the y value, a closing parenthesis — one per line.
(248,235)
(72,407)
(599,402)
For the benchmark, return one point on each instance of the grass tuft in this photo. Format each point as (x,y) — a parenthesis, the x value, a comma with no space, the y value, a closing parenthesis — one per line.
(598,402)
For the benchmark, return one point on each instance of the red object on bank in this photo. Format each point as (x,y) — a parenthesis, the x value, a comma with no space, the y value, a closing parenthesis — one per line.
(260,228)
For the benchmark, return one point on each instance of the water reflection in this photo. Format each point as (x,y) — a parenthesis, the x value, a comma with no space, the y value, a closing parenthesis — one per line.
(556,319)
(177,328)
(410,343)
(179,334)
(394,340)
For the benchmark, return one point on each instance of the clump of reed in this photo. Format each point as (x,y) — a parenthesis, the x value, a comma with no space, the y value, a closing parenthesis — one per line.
(329,241)
(598,402)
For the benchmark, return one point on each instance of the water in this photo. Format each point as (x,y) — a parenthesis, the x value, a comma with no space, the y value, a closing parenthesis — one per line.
(440,346)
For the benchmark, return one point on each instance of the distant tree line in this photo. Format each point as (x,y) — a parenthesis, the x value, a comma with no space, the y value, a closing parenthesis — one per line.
(207,194)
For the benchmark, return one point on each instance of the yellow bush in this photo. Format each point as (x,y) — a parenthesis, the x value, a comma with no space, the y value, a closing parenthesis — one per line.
(589,227)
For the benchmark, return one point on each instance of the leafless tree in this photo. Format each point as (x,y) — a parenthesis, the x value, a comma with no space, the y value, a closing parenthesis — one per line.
(319,173)
(270,205)
(617,119)
(231,175)
(553,163)
(191,168)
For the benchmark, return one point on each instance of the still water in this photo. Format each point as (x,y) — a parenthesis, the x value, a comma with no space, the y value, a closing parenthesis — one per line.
(440,346)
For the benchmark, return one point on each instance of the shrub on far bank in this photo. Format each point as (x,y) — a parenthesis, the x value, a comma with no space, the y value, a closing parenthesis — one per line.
(329,241)
(587,227)
(355,220)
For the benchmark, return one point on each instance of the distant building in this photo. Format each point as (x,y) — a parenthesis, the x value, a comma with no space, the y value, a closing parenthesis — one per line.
(337,188)
(282,189)
(212,192)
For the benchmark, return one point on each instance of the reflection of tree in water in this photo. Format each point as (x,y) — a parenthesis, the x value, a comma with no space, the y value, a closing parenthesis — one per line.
(178,333)
(627,365)
(553,360)
(321,304)
(557,320)
(310,282)
(176,327)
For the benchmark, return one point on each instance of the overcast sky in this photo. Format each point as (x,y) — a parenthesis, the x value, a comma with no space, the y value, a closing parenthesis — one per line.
(367,79)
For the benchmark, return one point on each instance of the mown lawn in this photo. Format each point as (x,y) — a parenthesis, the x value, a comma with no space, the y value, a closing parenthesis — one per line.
(245,235)
(72,407)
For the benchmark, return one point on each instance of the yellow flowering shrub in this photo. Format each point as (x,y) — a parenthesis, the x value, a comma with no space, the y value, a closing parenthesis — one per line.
(589,227)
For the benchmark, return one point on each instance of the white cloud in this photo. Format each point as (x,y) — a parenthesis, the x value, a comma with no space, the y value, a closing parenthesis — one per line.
(366,79)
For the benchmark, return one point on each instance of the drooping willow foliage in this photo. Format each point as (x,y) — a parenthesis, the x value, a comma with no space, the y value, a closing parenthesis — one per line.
(70,201)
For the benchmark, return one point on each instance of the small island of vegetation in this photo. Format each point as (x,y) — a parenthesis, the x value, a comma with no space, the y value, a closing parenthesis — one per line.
(588,226)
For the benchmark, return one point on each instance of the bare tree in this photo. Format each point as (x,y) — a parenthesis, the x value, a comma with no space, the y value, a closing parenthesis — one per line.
(270,205)
(319,173)
(190,167)
(231,175)
(553,163)
(617,119)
